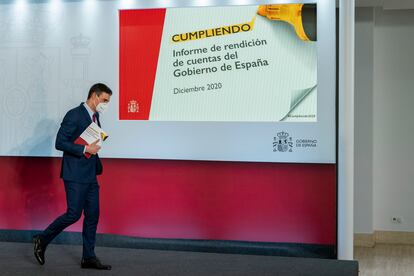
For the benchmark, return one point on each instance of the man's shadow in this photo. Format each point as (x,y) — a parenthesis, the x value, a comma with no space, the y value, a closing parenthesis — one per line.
(37,179)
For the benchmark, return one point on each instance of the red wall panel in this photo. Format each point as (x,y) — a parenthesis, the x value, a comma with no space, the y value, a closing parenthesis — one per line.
(182,199)
(140,35)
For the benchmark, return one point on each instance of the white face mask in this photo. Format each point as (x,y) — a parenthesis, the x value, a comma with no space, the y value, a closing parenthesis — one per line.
(102,107)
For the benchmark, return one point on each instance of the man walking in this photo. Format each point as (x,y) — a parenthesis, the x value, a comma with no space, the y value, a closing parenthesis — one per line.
(79,176)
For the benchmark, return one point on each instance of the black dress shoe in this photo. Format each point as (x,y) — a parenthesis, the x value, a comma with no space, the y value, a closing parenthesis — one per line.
(94,263)
(39,249)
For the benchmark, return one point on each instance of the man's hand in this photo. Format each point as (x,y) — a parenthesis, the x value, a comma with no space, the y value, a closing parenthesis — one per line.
(93,148)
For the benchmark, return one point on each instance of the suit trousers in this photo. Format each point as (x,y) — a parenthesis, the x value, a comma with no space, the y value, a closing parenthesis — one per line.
(79,197)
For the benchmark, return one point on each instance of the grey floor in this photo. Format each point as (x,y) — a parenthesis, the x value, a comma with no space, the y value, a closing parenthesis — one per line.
(18,259)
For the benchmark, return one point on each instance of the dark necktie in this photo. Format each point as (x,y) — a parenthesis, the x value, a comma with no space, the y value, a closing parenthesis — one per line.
(94,117)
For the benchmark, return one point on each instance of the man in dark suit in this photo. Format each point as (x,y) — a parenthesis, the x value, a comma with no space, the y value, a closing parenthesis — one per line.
(79,176)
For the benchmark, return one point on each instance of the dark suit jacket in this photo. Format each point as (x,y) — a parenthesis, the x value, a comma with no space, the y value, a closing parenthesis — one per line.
(75,166)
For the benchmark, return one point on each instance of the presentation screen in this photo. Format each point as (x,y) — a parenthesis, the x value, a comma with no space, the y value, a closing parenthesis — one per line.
(247,64)
(232,83)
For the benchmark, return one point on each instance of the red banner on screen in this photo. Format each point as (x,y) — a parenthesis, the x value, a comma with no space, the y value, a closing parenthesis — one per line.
(139,45)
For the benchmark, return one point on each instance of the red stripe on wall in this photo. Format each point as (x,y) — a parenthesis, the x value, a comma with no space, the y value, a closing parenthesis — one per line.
(265,202)
(139,46)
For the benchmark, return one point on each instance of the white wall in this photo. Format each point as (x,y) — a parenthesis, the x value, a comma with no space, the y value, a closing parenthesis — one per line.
(384,154)
(363,209)
(393,128)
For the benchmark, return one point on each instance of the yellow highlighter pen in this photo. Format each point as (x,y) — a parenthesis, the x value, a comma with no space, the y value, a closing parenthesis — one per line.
(301,16)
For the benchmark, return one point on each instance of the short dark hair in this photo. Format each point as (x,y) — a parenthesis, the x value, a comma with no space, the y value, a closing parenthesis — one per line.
(99,88)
